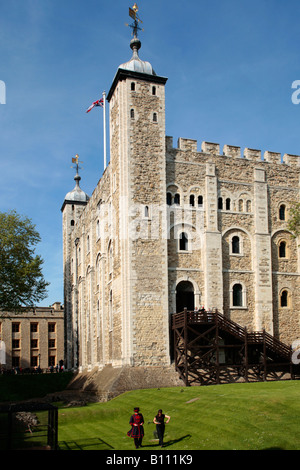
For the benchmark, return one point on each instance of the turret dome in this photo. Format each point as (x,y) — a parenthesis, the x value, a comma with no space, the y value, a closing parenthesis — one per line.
(77,194)
(135,64)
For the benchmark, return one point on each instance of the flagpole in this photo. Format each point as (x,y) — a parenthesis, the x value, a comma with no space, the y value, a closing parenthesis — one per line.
(104,127)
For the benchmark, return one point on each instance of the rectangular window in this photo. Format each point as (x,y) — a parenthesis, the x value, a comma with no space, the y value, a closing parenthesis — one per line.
(52,361)
(15,344)
(34,344)
(51,327)
(34,361)
(34,327)
(15,361)
(51,343)
(15,327)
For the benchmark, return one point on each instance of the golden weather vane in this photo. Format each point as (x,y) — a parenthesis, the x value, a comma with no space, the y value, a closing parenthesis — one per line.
(76,161)
(133,14)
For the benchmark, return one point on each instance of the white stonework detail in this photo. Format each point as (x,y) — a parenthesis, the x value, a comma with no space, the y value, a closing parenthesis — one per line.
(131,255)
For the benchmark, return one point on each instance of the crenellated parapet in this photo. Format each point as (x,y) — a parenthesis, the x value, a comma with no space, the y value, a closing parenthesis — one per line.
(232,151)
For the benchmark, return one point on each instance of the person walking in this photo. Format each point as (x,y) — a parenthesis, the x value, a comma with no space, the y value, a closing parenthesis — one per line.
(137,427)
(159,420)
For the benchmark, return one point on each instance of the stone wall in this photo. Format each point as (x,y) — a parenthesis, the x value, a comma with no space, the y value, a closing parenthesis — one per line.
(253,188)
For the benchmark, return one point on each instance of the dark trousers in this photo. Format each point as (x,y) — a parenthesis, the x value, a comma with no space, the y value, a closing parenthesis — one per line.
(138,441)
(160,428)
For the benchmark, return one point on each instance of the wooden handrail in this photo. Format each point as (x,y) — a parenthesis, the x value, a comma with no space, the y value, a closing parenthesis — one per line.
(256,337)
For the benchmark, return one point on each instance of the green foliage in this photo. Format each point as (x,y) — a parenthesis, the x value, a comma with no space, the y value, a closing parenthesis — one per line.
(21,280)
(294,219)
(253,416)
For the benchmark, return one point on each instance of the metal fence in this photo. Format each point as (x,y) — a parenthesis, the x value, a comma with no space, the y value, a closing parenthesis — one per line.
(28,426)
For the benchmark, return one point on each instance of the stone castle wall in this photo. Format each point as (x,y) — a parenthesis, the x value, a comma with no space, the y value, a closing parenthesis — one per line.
(117,281)
(125,254)
(253,189)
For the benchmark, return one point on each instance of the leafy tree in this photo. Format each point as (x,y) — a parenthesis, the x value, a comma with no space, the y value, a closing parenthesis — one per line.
(294,219)
(21,280)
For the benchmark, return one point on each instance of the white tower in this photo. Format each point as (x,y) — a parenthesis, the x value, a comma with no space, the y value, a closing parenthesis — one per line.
(73,205)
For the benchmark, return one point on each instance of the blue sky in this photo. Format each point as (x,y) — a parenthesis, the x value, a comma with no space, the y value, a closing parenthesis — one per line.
(230,67)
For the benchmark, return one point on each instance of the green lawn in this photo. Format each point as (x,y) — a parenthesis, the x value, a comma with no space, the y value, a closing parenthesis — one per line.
(252,416)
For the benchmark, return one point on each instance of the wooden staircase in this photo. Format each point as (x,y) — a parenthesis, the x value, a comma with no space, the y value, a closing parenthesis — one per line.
(209,348)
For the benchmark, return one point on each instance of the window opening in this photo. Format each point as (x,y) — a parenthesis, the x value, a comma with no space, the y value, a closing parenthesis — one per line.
(282,250)
(284,299)
(282,212)
(183,242)
(237,295)
(235,244)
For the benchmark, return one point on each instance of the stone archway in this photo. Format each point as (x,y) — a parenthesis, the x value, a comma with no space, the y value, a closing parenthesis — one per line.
(185,296)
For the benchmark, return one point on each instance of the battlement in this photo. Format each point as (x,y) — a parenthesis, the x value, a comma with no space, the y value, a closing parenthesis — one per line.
(233,152)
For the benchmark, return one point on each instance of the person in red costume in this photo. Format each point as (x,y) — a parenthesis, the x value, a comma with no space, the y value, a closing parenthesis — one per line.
(137,427)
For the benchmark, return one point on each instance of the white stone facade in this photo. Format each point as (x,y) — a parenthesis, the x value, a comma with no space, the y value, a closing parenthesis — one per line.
(168,227)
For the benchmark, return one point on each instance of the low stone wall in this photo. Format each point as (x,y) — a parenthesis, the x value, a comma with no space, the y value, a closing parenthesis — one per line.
(111,382)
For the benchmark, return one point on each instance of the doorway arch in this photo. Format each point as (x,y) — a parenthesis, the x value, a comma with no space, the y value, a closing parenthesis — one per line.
(185,296)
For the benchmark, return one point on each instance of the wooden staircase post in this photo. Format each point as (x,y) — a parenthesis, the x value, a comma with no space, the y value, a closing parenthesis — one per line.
(265,356)
(291,364)
(246,354)
(217,350)
(186,370)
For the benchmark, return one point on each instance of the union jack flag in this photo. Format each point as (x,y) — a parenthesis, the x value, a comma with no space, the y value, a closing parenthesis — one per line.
(96,103)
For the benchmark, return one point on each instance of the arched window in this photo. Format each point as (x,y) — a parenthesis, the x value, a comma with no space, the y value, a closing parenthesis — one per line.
(177,199)
(169,199)
(146,211)
(248,206)
(110,260)
(241,205)
(132,86)
(98,319)
(153,90)
(132,113)
(237,295)
(110,312)
(98,273)
(154,117)
(282,250)
(235,244)
(284,298)
(192,200)
(183,242)
(282,212)
(228,204)
(72,223)
(200,201)
(220,203)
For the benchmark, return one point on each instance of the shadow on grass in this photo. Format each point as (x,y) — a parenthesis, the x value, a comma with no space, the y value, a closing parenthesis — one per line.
(168,443)
(174,441)
(98,444)
(85,444)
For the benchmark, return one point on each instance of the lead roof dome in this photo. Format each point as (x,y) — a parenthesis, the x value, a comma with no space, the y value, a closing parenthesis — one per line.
(77,194)
(135,64)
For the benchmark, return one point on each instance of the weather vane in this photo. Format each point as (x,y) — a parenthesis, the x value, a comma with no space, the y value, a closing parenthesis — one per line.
(135,25)
(76,161)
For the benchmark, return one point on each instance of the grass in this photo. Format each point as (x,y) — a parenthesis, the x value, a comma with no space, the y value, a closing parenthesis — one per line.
(252,416)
